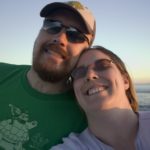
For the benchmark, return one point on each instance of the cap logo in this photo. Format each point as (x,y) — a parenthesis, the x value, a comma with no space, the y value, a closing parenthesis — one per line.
(75,4)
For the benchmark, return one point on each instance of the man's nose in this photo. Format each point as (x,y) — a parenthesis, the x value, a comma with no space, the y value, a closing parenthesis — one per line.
(60,38)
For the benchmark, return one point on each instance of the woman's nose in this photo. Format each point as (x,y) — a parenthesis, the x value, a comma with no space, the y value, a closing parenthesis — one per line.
(91,75)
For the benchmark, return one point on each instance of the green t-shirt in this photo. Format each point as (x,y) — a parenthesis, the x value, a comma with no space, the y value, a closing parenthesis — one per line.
(30,120)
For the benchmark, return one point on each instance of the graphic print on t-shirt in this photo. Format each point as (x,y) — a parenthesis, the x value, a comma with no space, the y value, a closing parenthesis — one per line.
(14,132)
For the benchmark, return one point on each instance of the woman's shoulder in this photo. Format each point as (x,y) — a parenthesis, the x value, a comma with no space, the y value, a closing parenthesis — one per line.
(143,138)
(72,142)
(144,115)
(83,141)
(144,121)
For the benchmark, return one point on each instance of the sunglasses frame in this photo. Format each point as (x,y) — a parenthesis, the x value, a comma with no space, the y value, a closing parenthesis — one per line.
(67,28)
(77,74)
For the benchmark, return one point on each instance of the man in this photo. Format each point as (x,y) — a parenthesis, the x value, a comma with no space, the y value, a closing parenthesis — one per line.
(37,106)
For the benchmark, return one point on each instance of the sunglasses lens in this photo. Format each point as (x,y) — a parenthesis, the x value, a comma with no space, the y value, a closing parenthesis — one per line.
(75,36)
(54,30)
(79,72)
(102,64)
(52,27)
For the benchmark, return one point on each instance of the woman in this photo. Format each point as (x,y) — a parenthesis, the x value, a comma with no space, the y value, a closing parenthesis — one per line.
(105,92)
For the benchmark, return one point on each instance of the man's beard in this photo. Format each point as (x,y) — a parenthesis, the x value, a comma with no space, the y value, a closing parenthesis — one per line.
(51,73)
(53,76)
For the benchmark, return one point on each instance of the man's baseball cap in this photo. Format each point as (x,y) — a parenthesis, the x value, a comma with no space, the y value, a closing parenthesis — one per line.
(83,12)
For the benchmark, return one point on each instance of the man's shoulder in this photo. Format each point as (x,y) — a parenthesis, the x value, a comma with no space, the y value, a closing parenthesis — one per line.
(6,68)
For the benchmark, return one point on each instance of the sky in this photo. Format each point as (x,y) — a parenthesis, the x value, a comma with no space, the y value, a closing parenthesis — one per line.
(123,26)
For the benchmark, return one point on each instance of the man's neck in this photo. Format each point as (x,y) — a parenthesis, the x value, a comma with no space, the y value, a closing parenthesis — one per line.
(46,87)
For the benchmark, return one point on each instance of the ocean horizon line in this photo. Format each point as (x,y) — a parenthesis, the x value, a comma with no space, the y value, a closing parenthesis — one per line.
(142,83)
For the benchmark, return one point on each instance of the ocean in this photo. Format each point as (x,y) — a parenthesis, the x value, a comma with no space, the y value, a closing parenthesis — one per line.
(143,93)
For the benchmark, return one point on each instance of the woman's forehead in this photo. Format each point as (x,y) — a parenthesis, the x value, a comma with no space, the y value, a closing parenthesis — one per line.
(91,56)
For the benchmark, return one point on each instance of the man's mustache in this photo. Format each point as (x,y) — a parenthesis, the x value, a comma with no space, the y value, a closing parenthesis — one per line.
(57,49)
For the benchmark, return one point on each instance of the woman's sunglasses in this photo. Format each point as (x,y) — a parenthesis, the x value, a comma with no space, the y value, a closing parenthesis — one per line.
(73,35)
(99,65)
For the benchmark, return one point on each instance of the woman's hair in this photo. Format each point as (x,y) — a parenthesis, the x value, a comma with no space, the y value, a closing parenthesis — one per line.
(130,92)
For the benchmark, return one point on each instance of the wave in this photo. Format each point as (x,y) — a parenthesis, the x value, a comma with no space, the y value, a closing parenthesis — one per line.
(142,88)
(142,91)
(144,107)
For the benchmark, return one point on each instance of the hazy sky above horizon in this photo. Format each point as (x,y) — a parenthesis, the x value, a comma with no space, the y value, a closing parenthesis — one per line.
(123,26)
